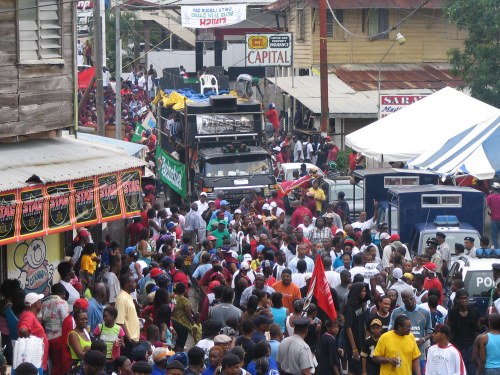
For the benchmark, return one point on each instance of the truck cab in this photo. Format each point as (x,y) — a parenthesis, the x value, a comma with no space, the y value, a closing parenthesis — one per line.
(454,230)
(235,170)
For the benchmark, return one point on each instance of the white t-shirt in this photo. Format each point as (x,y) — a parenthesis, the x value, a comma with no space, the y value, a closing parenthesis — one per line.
(141,82)
(333,278)
(73,294)
(368,224)
(202,207)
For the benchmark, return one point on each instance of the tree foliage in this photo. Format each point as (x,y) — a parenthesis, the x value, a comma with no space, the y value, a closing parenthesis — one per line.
(478,64)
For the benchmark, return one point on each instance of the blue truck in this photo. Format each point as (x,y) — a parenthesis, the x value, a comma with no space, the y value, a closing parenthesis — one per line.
(418,212)
(377,182)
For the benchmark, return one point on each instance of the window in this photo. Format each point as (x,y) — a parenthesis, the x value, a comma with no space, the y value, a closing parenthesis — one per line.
(299,32)
(333,30)
(378,21)
(400,181)
(39,27)
(443,200)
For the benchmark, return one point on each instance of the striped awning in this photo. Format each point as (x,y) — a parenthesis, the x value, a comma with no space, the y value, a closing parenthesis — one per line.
(474,151)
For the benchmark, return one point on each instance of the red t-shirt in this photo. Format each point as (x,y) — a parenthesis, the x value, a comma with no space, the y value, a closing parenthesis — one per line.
(493,203)
(273,118)
(298,216)
(29,321)
(434,283)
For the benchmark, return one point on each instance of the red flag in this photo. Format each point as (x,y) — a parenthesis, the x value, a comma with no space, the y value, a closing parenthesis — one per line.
(287,186)
(320,289)
(85,77)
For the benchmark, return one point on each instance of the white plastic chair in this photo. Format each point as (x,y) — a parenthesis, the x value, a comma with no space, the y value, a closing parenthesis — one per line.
(208,81)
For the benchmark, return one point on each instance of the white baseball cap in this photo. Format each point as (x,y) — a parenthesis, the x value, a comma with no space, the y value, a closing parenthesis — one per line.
(385,236)
(247,257)
(273,205)
(266,206)
(203,193)
(245,265)
(237,211)
(32,298)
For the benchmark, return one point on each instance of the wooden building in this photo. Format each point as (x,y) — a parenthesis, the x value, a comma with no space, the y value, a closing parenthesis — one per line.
(50,183)
(363,56)
(37,66)
(428,33)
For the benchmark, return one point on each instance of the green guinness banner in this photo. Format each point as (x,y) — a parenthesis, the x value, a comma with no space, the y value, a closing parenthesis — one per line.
(171,172)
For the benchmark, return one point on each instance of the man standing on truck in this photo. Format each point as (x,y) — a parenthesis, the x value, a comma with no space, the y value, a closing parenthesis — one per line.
(493,204)
(362,223)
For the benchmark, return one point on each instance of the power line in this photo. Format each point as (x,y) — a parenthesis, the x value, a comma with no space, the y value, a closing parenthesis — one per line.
(385,32)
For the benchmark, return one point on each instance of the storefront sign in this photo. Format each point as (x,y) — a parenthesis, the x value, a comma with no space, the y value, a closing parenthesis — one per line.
(269,49)
(59,212)
(393,103)
(211,16)
(32,213)
(41,210)
(85,202)
(171,171)
(132,192)
(8,213)
(109,200)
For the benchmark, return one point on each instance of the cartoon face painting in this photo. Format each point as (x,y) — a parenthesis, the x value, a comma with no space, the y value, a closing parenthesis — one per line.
(35,272)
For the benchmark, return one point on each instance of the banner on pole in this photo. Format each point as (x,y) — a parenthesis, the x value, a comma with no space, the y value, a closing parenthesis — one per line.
(171,172)
(211,16)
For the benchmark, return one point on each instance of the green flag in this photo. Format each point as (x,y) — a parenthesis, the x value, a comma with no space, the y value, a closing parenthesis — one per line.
(171,171)
(139,129)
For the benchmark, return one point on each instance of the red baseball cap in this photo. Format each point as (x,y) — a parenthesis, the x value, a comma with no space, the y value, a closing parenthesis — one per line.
(155,272)
(211,238)
(81,303)
(430,267)
(394,237)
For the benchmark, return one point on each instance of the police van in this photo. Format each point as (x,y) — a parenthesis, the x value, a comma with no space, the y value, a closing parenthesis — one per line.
(477,275)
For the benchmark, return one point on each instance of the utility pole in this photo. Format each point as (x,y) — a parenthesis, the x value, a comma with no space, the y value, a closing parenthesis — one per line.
(323,67)
(99,99)
(118,74)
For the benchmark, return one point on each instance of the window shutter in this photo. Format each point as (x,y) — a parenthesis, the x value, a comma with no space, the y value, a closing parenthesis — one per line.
(39,27)
(50,29)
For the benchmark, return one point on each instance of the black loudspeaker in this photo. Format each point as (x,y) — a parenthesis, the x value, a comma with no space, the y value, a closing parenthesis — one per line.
(224,103)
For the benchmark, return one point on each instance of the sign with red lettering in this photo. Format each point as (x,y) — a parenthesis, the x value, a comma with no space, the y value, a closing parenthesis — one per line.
(85,202)
(132,192)
(269,49)
(8,211)
(59,212)
(109,201)
(393,103)
(212,16)
(31,218)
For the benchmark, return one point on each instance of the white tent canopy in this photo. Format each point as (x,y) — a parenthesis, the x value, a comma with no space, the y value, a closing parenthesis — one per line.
(420,127)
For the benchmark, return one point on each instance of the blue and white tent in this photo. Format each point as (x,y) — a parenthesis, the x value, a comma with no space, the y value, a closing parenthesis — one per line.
(475,151)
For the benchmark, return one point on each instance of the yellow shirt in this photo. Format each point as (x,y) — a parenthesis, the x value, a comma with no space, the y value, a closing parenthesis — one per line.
(255,264)
(127,314)
(391,345)
(319,197)
(87,264)
(94,262)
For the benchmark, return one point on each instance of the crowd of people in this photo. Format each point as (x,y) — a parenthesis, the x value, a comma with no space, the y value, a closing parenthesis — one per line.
(204,289)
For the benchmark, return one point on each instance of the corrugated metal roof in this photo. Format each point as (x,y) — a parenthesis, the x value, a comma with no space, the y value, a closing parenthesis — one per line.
(343,101)
(396,77)
(281,5)
(58,159)
(171,4)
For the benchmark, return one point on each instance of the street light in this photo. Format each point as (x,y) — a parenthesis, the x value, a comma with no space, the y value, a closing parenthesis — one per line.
(401,40)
